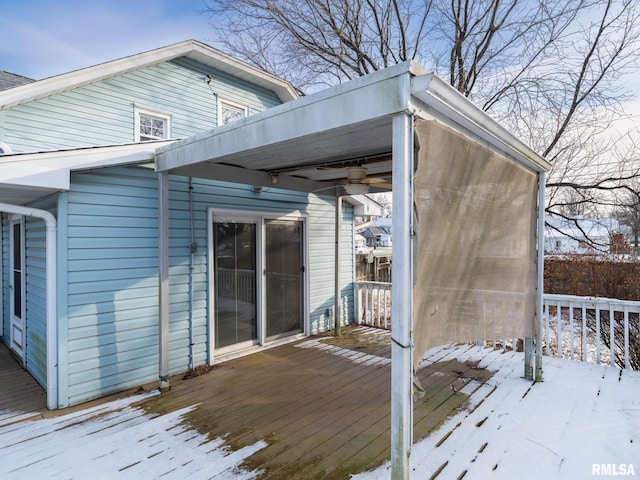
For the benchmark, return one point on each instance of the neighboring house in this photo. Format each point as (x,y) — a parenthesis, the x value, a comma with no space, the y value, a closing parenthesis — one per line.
(578,236)
(80,217)
(377,232)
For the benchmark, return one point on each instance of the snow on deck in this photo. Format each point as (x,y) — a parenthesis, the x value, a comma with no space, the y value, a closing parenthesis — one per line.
(582,419)
(115,440)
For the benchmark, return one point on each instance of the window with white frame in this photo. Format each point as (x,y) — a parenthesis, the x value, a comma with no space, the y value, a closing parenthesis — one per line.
(151,124)
(230,112)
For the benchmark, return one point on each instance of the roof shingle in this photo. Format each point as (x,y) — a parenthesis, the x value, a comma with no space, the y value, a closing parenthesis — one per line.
(11,80)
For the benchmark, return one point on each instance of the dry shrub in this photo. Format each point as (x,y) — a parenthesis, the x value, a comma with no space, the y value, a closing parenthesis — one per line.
(592,276)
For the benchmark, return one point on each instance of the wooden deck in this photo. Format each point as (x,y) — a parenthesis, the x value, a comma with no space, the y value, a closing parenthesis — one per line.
(322,404)
(20,394)
(319,408)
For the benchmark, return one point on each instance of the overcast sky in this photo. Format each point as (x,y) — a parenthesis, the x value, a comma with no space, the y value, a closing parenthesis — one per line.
(41,38)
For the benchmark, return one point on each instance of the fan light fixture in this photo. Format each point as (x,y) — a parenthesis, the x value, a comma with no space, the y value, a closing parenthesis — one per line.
(356,188)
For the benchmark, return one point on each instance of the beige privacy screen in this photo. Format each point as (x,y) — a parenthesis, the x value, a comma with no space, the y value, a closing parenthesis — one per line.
(475,247)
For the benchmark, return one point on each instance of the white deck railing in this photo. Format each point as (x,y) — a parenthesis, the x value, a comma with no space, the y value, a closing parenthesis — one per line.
(373,304)
(584,327)
(581,323)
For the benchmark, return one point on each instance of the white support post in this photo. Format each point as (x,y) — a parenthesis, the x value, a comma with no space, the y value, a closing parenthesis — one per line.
(337,310)
(540,283)
(163,294)
(402,299)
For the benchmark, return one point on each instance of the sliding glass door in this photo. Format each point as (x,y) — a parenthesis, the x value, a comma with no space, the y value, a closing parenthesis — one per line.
(258,279)
(284,271)
(235,281)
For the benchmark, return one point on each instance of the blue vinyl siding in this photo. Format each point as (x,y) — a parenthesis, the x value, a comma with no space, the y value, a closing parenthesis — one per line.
(112,270)
(218,195)
(36,300)
(111,267)
(102,113)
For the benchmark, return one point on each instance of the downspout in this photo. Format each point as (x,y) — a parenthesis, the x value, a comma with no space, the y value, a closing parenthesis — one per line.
(540,283)
(193,246)
(51,293)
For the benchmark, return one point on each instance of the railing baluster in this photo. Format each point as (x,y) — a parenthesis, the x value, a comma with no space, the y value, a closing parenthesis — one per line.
(571,331)
(626,336)
(559,329)
(547,329)
(597,334)
(387,309)
(584,332)
(612,337)
(379,308)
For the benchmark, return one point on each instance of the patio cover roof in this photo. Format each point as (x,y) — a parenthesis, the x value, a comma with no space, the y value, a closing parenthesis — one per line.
(308,145)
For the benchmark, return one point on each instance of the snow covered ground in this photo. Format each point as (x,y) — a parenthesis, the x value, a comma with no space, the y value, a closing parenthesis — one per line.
(583,419)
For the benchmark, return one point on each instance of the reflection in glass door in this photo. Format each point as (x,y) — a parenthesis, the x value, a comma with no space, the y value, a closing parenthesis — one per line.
(284,277)
(234,245)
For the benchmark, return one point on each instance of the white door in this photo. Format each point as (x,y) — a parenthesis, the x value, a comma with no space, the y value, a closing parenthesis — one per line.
(17,286)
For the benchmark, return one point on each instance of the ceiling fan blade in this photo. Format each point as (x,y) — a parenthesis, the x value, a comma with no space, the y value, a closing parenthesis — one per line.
(374,180)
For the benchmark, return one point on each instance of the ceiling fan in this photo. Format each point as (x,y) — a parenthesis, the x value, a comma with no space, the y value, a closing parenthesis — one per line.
(358,183)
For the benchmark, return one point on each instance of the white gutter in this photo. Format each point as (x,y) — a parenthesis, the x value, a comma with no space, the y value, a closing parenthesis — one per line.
(446,100)
(51,293)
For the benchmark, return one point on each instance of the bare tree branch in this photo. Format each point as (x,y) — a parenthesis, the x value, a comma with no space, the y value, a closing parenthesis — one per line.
(549,70)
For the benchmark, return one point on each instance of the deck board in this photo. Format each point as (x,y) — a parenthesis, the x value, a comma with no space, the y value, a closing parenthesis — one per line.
(20,393)
(321,404)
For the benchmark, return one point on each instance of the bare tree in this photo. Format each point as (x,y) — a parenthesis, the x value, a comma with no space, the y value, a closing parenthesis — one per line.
(629,214)
(550,70)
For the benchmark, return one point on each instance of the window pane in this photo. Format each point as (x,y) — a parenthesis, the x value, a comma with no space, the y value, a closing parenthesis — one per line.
(152,128)
(284,276)
(17,247)
(235,283)
(17,293)
(231,113)
(17,269)
(158,128)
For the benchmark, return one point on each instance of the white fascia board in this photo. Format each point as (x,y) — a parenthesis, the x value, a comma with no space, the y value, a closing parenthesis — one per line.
(221,61)
(373,96)
(365,206)
(67,81)
(190,48)
(52,169)
(38,176)
(451,105)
